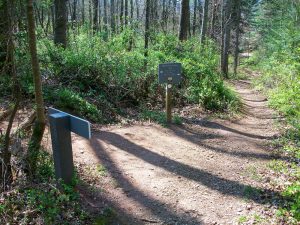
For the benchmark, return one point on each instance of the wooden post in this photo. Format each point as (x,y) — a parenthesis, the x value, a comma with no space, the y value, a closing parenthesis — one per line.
(169,102)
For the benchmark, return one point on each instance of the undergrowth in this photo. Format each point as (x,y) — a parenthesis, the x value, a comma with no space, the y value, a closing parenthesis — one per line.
(96,78)
(280,81)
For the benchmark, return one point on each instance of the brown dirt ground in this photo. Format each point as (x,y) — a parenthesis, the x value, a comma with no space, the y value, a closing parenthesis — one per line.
(205,171)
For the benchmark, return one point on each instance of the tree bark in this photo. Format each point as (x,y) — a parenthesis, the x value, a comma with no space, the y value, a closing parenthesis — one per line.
(137,9)
(126,12)
(122,15)
(95,16)
(237,34)
(105,20)
(184,20)
(147,28)
(131,10)
(195,16)
(39,127)
(82,12)
(9,69)
(204,21)
(112,16)
(212,23)
(60,30)
(226,37)
(4,28)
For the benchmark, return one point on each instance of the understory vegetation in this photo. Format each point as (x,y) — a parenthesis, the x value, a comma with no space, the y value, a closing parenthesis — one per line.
(96,79)
(277,61)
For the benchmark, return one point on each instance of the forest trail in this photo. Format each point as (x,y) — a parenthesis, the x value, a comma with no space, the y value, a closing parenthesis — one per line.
(205,171)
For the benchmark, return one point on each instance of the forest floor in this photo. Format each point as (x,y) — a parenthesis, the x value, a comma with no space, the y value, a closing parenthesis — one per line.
(205,171)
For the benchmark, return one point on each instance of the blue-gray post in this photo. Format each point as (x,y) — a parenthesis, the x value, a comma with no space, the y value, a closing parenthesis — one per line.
(60,127)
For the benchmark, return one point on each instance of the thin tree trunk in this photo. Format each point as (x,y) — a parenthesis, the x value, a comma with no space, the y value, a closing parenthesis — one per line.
(60,31)
(105,20)
(195,16)
(95,16)
(212,24)
(39,127)
(237,35)
(137,9)
(174,15)
(131,10)
(184,20)
(9,67)
(126,12)
(204,21)
(226,38)
(112,16)
(82,11)
(122,15)
(147,28)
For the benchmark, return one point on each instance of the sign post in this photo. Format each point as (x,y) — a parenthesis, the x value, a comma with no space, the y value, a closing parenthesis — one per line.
(61,126)
(169,74)
(169,102)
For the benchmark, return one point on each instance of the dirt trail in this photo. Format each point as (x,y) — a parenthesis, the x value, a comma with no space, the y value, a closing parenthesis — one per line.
(201,172)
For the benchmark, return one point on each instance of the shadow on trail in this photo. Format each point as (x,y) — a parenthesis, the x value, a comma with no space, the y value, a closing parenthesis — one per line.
(196,139)
(252,100)
(157,208)
(215,125)
(214,182)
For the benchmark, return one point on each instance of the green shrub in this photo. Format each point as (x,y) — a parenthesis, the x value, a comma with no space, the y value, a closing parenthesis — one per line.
(70,101)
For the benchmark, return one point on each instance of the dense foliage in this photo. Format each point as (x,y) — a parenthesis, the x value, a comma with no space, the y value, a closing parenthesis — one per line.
(95,78)
(277,58)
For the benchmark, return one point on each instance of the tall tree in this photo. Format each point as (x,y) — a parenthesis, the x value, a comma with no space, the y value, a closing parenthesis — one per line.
(184,20)
(39,126)
(7,66)
(95,16)
(105,19)
(195,16)
(204,21)
(122,15)
(112,16)
(83,11)
(147,27)
(126,12)
(237,10)
(60,30)
(4,28)
(227,24)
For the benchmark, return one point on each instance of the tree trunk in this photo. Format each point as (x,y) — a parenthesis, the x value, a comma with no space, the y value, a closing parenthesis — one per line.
(184,20)
(60,30)
(204,21)
(112,16)
(195,16)
(174,15)
(95,16)
(4,28)
(126,12)
(212,23)
(39,127)
(131,10)
(105,20)
(8,67)
(147,28)
(137,9)
(82,12)
(237,34)
(122,15)
(226,38)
